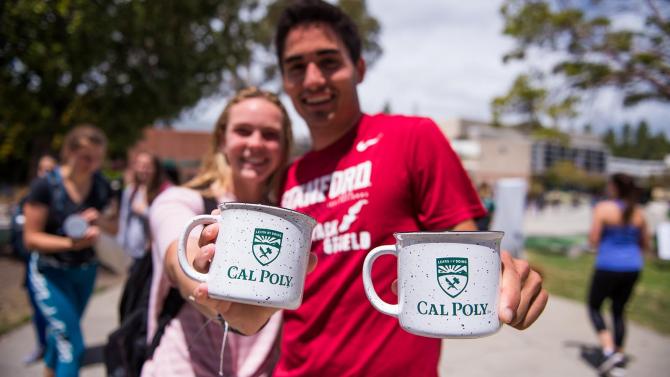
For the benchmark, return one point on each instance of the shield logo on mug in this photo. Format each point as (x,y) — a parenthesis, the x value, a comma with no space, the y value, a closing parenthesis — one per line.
(452,275)
(266,245)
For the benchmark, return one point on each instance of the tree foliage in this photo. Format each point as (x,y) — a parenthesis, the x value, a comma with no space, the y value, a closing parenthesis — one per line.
(598,48)
(637,143)
(120,65)
(126,64)
(567,176)
(531,105)
(523,99)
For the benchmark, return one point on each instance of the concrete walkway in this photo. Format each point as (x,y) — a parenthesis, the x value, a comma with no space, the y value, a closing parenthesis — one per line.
(99,320)
(559,344)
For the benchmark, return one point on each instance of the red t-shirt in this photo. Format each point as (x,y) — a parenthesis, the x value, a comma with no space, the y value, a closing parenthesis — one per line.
(388,174)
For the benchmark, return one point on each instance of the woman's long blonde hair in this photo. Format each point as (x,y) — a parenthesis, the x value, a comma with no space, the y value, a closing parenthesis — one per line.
(215,170)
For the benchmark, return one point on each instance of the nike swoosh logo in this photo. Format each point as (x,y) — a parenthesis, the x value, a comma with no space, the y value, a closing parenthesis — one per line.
(363,145)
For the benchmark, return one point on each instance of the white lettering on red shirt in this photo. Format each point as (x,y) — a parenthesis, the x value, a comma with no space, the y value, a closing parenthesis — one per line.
(340,182)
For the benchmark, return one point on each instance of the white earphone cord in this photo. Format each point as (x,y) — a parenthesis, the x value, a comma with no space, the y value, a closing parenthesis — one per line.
(223,344)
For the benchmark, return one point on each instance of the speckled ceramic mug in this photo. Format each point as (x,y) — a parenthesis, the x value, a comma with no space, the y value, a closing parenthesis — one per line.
(261,254)
(448,283)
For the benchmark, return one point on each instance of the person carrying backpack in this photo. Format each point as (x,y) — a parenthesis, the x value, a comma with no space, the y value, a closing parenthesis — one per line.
(45,165)
(64,215)
(147,180)
(127,348)
(250,147)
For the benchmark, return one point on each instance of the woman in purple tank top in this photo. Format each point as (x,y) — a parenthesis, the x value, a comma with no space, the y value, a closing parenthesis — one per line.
(619,234)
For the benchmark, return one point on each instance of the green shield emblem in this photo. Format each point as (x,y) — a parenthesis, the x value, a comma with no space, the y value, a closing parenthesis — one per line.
(266,245)
(452,275)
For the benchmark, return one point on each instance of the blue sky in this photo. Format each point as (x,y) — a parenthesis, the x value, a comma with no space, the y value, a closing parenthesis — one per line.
(442,59)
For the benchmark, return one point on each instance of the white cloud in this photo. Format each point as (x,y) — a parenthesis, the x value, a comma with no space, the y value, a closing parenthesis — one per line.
(441,58)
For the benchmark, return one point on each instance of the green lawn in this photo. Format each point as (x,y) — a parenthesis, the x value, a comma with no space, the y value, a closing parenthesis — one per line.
(570,277)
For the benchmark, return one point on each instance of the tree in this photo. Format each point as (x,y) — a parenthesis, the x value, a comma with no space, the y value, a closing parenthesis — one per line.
(387,107)
(120,65)
(627,141)
(637,143)
(659,146)
(523,99)
(123,65)
(565,175)
(532,106)
(595,52)
(609,139)
(642,144)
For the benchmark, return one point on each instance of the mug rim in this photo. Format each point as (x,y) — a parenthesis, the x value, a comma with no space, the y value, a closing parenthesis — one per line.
(270,207)
(434,232)
(488,234)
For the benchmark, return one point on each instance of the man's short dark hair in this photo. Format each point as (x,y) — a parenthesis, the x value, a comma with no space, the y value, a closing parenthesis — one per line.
(301,12)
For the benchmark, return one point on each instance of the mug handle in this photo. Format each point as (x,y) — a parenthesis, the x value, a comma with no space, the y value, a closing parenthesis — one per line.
(181,250)
(375,300)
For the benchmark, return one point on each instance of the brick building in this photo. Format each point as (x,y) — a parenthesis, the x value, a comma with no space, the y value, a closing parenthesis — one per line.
(184,149)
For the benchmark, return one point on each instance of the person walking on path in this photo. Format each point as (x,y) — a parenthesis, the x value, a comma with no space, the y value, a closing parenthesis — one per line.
(146,182)
(486,195)
(63,268)
(619,234)
(251,145)
(367,177)
(45,165)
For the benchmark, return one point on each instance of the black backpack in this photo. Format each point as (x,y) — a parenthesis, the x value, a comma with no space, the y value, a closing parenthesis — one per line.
(127,346)
(16,231)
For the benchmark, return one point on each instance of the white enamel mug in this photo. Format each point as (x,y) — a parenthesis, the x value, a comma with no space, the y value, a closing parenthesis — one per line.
(261,254)
(448,283)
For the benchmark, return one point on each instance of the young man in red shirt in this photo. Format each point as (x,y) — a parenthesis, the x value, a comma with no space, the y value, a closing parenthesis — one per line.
(365,178)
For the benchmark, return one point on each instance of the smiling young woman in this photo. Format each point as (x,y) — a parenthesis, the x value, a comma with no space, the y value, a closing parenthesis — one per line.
(250,148)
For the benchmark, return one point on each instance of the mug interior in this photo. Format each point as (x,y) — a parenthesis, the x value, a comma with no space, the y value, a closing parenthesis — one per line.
(489,238)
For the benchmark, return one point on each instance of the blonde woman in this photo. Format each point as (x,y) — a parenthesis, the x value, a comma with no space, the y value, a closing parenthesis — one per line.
(250,148)
(63,265)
